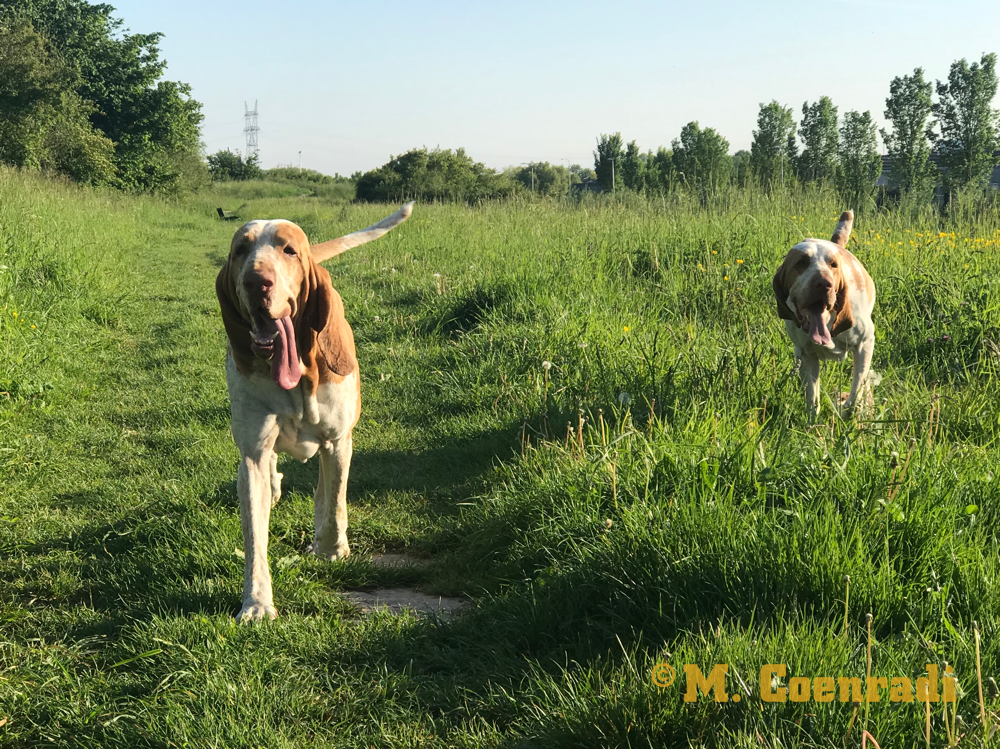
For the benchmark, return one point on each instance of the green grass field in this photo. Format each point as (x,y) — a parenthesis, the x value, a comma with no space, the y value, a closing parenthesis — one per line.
(694,517)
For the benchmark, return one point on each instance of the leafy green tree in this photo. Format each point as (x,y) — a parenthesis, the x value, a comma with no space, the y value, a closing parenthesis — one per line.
(741,168)
(968,123)
(544,178)
(908,108)
(773,149)
(661,174)
(860,163)
(226,165)
(43,122)
(633,168)
(438,175)
(701,158)
(153,123)
(332,187)
(582,173)
(304,176)
(608,158)
(818,130)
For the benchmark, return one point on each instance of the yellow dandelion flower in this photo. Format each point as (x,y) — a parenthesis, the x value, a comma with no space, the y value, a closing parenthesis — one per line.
(714,252)
(725,278)
(739,262)
(625,328)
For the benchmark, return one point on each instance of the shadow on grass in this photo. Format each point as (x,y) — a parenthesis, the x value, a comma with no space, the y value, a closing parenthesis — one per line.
(624,601)
(178,554)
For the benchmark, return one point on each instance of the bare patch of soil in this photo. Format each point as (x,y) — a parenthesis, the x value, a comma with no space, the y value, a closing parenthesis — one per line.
(389,559)
(396,599)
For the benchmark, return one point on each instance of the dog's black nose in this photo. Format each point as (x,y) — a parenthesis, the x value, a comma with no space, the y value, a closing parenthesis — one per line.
(259,278)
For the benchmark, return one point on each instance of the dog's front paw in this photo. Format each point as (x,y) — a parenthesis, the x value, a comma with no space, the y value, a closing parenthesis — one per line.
(254,611)
(332,553)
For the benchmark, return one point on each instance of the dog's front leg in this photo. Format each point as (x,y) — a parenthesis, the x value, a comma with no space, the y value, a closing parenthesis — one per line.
(254,488)
(809,376)
(862,364)
(331,500)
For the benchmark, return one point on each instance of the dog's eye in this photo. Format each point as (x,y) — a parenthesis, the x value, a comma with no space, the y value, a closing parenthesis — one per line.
(241,250)
(803,263)
(289,250)
(833,265)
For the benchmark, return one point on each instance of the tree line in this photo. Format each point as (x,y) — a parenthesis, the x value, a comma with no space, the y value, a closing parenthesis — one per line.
(81,97)
(443,174)
(960,127)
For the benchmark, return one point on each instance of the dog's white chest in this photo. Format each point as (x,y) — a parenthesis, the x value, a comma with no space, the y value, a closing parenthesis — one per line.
(262,411)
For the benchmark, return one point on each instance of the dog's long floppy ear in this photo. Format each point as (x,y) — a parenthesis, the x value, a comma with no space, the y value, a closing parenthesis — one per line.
(322,331)
(318,292)
(781,284)
(326,250)
(844,319)
(236,327)
(843,231)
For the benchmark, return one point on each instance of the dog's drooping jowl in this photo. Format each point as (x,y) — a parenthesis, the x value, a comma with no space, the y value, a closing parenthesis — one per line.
(293,379)
(826,297)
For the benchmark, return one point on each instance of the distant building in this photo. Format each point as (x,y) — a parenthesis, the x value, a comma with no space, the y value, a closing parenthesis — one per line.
(586,184)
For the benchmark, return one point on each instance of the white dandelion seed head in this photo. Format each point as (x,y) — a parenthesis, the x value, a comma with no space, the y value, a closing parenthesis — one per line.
(546,365)
(624,398)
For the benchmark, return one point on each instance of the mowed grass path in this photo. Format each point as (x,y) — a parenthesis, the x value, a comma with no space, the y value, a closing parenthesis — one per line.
(121,535)
(705,523)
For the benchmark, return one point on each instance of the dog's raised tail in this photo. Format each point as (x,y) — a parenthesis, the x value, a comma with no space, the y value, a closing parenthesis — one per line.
(327,250)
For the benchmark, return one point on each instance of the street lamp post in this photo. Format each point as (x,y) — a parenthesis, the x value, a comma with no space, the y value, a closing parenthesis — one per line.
(532,165)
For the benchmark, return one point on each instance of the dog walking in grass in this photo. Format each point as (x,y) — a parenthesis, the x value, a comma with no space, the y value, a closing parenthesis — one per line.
(826,298)
(293,381)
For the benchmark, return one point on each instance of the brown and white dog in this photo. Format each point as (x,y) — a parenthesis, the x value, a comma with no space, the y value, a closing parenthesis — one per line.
(826,297)
(293,382)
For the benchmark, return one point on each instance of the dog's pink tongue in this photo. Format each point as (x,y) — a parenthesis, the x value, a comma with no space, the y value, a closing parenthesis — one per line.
(818,331)
(285,368)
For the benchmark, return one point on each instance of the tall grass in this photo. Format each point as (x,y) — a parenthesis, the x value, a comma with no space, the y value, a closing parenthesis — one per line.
(585,416)
(60,266)
(706,505)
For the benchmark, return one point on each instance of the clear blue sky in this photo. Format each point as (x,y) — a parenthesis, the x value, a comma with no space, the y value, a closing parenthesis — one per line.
(349,84)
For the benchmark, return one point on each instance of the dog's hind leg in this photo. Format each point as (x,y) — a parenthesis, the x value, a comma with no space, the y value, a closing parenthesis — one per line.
(331,500)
